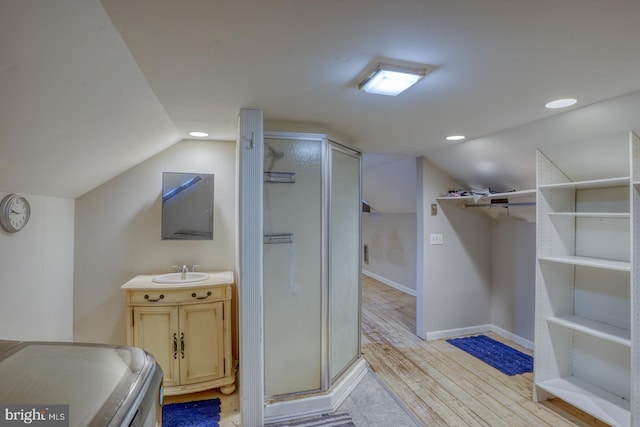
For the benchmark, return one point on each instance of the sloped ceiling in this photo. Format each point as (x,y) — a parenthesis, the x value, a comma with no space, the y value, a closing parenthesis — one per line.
(91,88)
(75,110)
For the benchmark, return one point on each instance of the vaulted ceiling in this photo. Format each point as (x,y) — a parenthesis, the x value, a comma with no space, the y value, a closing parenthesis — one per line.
(89,89)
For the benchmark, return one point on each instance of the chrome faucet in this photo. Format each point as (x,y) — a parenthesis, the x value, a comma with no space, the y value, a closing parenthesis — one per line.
(183,270)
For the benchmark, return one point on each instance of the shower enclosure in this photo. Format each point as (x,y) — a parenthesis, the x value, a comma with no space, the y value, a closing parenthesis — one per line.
(311,270)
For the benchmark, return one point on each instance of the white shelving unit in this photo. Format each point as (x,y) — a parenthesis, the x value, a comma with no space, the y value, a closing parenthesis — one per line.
(586,296)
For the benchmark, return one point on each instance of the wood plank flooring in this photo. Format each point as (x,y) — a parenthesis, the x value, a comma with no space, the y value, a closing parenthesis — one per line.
(443,385)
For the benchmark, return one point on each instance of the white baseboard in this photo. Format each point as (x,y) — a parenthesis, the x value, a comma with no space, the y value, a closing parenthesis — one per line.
(391,283)
(452,333)
(322,403)
(512,337)
(479,329)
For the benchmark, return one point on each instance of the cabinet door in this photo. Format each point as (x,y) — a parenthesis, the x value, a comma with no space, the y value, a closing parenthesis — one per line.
(201,342)
(155,329)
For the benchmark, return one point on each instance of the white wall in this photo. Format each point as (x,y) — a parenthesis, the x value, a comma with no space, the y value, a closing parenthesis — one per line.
(513,262)
(118,234)
(389,186)
(36,273)
(456,276)
(391,239)
(389,182)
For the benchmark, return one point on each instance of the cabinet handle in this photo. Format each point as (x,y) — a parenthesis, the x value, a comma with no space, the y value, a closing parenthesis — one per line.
(204,297)
(182,344)
(175,346)
(154,299)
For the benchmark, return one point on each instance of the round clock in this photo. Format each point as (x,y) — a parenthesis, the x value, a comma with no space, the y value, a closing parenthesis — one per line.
(14,212)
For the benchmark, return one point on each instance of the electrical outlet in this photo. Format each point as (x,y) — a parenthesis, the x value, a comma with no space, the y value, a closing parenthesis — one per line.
(436,239)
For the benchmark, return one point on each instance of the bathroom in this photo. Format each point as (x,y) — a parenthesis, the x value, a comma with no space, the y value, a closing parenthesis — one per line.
(113,234)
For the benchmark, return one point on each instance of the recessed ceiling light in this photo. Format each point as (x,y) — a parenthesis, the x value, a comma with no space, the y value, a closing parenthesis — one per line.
(391,80)
(198,134)
(455,138)
(561,103)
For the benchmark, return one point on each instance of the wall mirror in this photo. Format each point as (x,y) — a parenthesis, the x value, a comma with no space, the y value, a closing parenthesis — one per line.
(187,206)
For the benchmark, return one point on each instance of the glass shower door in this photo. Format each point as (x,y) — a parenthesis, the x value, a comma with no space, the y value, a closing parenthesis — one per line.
(344,259)
(292,265)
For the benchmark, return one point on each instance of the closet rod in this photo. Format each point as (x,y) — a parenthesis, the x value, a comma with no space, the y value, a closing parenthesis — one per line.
(502,205)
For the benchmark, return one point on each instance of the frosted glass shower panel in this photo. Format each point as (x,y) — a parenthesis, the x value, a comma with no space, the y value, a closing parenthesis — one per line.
(292,265)
(344,265)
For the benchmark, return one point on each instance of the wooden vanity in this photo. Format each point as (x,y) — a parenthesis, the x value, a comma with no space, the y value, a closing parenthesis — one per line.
(187,329)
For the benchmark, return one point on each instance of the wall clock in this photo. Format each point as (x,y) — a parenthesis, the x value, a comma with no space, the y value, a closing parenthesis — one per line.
(14,212)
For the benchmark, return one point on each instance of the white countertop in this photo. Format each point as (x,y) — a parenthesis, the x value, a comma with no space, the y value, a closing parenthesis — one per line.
(144,281)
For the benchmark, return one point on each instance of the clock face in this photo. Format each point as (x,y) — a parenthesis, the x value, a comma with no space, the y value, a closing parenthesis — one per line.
(18,213)
(14,213)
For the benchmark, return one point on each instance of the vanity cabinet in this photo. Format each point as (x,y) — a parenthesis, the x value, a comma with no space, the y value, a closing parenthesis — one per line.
(187,329)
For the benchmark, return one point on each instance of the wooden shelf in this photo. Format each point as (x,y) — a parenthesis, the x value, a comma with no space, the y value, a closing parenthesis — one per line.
(594,328)
(593,400)
(595,183)
(607,264)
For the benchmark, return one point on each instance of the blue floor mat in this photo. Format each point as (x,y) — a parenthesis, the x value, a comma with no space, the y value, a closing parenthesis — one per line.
(201,413)
(502,357)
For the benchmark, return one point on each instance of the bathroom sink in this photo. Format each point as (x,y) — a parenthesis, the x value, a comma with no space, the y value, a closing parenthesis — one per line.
(189,277)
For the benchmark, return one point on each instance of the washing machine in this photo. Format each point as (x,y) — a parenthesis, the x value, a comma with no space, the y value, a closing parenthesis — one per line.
(74,384)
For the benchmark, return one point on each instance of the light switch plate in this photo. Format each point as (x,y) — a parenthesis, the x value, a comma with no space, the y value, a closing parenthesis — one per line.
(436,239)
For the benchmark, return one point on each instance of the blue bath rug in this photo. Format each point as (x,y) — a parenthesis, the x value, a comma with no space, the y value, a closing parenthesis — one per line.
(201,413)
(502,357)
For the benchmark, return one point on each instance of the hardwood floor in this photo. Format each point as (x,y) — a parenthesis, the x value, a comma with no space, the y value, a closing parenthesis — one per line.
(443,385)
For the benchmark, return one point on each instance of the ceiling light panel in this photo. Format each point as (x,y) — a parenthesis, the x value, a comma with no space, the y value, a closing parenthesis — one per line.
(391,80)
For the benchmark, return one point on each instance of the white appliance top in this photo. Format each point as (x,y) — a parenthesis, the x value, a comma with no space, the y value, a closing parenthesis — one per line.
(96,381)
